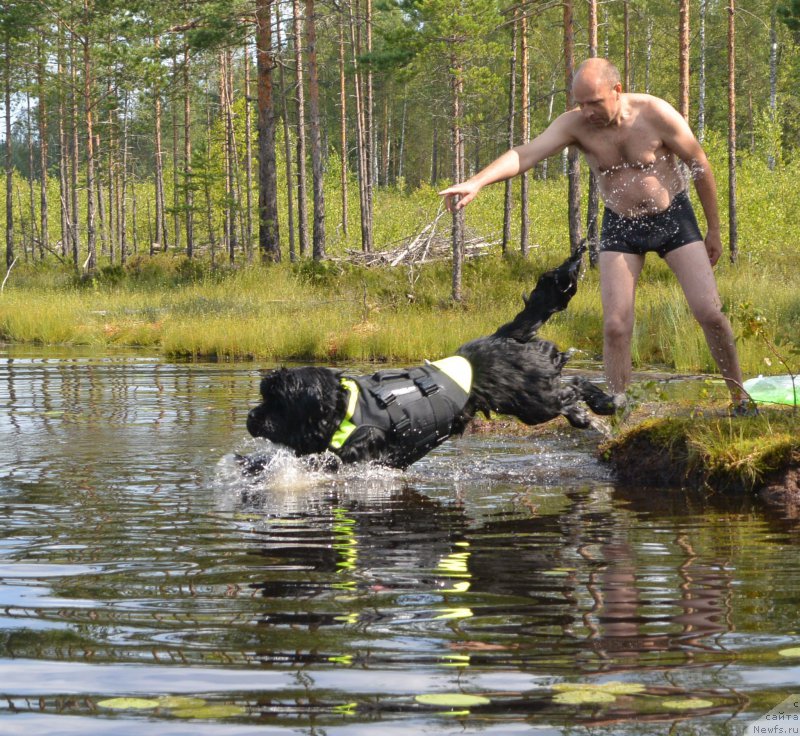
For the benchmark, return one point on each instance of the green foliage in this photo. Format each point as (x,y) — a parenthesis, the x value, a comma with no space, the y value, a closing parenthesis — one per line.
(789,12)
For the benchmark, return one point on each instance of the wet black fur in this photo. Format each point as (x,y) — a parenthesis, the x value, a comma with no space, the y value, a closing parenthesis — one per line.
(514,372)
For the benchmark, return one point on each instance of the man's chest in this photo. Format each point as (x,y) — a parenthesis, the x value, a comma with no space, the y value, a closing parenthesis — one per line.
(633,147)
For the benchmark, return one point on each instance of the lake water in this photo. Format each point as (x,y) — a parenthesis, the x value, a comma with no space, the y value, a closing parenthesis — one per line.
(147,588)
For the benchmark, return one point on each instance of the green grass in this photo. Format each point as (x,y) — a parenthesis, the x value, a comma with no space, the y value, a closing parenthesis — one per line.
(347,313)
(333,311)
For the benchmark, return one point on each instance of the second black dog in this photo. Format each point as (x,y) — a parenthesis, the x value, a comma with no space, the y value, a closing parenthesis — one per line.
(395,417)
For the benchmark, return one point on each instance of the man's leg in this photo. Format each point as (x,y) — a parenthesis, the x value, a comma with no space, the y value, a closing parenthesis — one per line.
(619,273)
(692,268)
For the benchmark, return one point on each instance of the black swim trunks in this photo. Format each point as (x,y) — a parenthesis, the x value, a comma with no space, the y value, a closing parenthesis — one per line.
(660,233)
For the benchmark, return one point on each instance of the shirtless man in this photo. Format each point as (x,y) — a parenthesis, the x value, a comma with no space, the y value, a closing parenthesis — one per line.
(632,143)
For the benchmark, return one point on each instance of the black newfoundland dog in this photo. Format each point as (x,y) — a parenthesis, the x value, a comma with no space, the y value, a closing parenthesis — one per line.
(395,417)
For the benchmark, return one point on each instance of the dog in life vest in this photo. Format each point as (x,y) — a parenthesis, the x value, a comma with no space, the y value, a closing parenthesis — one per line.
(395,417)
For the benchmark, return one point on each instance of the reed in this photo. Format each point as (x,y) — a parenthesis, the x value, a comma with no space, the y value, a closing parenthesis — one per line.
(344,313)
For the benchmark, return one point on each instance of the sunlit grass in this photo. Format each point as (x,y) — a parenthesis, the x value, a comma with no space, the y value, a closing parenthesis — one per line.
(351,314)
(339,312)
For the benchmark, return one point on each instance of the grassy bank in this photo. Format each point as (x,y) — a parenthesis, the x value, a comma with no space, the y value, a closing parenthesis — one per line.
(336,311)
(340,312)
(720,453)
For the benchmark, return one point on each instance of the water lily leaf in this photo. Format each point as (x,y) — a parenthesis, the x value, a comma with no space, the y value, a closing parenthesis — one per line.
(211,711)
(578,697)
(622,688)
(793,652)
(613,687)
(128,703)
(451,700)
(174,701)
(686,704)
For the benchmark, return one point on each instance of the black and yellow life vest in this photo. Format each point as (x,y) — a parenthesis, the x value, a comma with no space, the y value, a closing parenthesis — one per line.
(416,406)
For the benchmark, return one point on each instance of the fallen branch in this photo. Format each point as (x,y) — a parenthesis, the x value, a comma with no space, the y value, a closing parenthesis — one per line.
(427,245)
(8,273)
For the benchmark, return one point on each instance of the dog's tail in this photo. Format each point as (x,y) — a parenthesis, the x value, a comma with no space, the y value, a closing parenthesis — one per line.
(553,291)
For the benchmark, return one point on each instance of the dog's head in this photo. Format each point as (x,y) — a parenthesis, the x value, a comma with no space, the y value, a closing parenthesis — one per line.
(300,408)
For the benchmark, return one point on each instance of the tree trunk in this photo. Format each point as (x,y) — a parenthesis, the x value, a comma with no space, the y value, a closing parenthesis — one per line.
(550,105)
(10,258)
(302,196)
(176,169)
(316,139)
(343,121)
(31,187)
(365,194)
(773,86)
(135,218)
(369,111)
(435,155)
(508,201)
(248,245)
(91,261)
(701,75)
(732,215)
(626,43)
(122,190)
(287,142)
(387,140)
(648,55)
(231,158)
(212,235)
(573,160)
(63,150)
(457,84)
(525,115)
(75,163)
(111,168)
(593,205)
(683,60)
(187,155)
(103,229)
(44,233)
(161,234)
(268,233)
(402,147)
(227,218)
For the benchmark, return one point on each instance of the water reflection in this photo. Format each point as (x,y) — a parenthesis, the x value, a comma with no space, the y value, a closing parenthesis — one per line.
(497,566)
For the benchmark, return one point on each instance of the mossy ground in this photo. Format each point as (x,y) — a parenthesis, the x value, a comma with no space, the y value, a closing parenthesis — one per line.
(706,448)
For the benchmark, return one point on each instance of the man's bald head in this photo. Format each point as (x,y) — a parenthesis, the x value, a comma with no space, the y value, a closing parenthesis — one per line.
(596,70)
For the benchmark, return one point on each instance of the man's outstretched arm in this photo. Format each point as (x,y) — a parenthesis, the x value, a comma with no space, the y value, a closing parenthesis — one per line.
(516,161)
